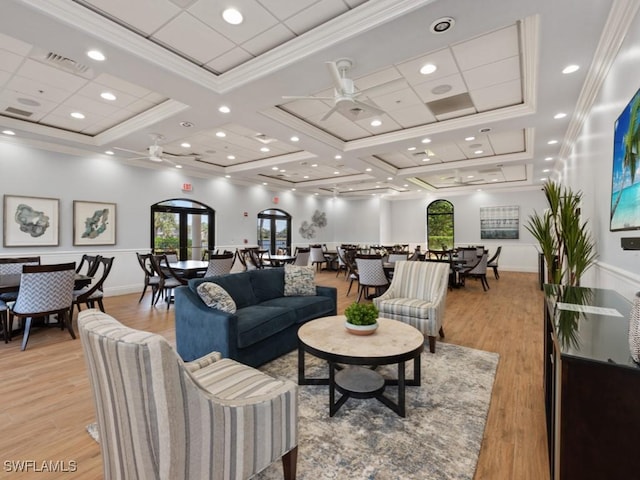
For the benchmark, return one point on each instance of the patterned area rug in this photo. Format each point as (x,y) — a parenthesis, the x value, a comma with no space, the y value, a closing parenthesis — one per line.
(439,439)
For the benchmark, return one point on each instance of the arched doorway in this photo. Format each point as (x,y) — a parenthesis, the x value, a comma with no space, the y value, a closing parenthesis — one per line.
(440,225)
(186,226)
(274,230)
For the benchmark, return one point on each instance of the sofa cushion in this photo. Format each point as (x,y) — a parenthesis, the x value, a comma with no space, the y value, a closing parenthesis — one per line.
(299,280)
(257,322)
(267,283)
(304,308)
(214,296)
(238,285)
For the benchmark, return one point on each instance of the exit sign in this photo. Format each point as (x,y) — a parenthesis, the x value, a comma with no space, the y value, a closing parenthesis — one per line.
(187,187)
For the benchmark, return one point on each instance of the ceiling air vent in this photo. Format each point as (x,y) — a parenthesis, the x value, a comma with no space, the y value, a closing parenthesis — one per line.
(262,138)
(451,104)
(61,62)
(17,111)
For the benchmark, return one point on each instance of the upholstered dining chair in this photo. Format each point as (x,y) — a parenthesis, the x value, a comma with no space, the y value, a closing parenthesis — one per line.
(493,262)
(161,418)
(151,278)
(93,293)
(417,296)
(317,256)
(45,290)
(370,275)
(302,257)
(169,279)
(13,266)
(478,271)
(220,264)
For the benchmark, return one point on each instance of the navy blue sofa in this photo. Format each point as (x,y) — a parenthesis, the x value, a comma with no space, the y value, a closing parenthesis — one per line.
(264,327)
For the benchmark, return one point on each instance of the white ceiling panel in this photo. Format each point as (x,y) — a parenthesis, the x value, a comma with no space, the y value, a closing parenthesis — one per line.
(488,48)
(4,77)
(316,14)
(93,91)
(496,96)
(283,10)
(398,100)
(9,62)
(51,76)
(194,38)
(492,73)
(307,108)
(380,82)
(448,152)
(37,89)
(14,45)
(514,173)
(426,89)
(122,85)
(507,142)
(388,125)
(144,15)
(28,102)
(264,41)
(442,59)
(229,60)
(413,116)
(256,19)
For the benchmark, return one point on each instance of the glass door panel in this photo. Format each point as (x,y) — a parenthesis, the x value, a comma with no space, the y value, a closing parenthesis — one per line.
(280,234)
(166,231)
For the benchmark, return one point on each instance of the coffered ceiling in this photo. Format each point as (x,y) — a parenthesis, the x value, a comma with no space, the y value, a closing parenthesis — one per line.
(484,118)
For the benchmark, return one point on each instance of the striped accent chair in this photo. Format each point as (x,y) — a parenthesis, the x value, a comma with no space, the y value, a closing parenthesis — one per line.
(161,418)
(417,296)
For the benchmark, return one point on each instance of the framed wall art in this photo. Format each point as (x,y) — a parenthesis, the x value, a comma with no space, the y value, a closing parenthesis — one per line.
(500,222)
(31,221)
(94,223)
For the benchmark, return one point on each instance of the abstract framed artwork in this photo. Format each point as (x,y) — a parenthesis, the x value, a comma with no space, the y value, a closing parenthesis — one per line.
(94,223)
(31,221)
(500,222)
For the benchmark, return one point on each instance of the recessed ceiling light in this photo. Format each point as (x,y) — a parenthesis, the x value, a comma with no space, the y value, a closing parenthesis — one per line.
(232,16)
(367,169)
(282,170)
(428,68)
(552,142)
(426,159)
(221,134)
(109,152)
(470,139)
(426,140)
(8,132)
(306,176)
(224,109)
(227,176)
(96,55)
(546,170)
(377,186)
(570,69)
(265,183)
(178,166)
(441,25)
(185,145)
(469,176)
(77,115)
(494,180)
(405,185)
(336,173)
(316,193)
(108,96)
(338,157)
(411,149)
(294,139)
(559,115)
(265,149)
(548,159)
(274,168)
(314,164)
(478,152)
(543,179)
(485,130)
(376,123)
(231,157)
(389,178)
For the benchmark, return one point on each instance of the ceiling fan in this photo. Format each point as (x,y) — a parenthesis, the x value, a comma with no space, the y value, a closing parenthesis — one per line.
(155,152)
(347,99)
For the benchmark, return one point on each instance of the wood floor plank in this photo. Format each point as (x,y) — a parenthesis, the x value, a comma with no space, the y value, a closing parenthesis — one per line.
(46,401)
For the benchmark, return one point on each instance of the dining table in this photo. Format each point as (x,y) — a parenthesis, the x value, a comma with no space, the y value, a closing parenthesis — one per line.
(189,268)
(280,260)
(10,282)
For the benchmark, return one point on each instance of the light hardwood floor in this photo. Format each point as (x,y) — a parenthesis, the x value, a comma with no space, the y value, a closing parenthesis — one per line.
(45,402)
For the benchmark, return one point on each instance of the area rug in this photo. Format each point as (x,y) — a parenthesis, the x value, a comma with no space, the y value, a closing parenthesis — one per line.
(439,439)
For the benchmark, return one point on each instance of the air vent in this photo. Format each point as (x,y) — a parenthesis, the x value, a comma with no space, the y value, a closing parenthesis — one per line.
(262,138)
(451,104)
(66,63)
(17,111)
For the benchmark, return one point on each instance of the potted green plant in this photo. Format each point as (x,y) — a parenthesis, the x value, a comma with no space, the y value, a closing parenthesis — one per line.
(362,318)
(564,239)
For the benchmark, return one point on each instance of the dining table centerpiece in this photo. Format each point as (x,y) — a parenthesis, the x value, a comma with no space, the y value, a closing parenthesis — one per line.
(362,318)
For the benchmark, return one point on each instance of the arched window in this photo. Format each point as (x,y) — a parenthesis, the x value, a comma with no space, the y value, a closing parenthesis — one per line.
(274,230)
(440,225)
(185,226)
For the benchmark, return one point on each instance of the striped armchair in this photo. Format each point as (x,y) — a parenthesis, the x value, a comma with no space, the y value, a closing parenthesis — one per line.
(417,296)
(161,418)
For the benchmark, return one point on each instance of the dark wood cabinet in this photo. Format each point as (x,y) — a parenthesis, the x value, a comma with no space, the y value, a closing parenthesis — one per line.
(591,385)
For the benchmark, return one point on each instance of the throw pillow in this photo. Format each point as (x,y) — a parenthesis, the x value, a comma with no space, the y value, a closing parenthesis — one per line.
(299,281)
(214,296)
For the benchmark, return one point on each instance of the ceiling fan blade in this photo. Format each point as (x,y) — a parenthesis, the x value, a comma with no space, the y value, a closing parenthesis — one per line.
(335,75)
(138,158)
(130,151)
(329,113)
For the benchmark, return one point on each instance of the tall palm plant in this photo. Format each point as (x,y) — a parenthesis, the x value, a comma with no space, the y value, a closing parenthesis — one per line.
(565,241)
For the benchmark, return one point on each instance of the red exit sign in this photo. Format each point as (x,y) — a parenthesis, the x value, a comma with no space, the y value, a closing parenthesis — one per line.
(187,187)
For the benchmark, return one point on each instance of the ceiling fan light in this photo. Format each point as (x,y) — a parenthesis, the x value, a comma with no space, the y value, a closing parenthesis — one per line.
(232,16)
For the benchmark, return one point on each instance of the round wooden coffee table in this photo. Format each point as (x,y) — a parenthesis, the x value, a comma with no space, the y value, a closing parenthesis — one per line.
(393,343)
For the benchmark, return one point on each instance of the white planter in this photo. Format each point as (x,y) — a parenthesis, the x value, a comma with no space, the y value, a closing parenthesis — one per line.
(360,329)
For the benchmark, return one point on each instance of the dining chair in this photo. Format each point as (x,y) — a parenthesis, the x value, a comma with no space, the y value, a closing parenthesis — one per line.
(45,290)
(94,293)
(317,256)
(478,271)
(161,418)
(151,278)
(302,257)
(342,264)
(13,266)
(220,264)
(493,262)
(370,275)
(88,263)
(169,279)
(4,321)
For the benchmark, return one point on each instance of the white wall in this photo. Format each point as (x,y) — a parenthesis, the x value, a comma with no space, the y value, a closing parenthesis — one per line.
(407,223)
(589,169)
